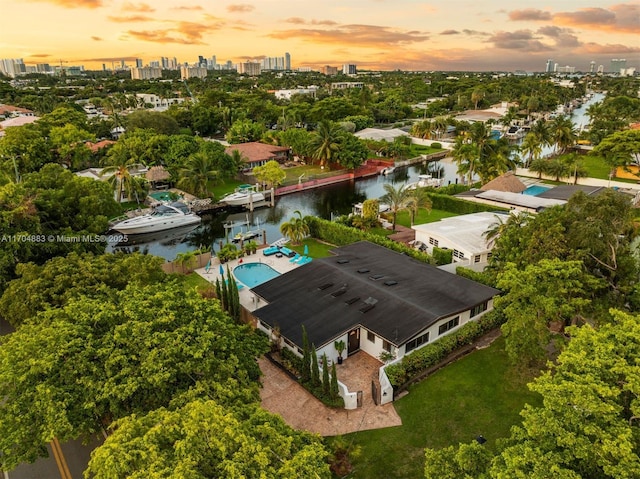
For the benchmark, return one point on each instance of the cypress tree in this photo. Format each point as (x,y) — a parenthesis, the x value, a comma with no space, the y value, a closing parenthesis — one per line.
(326,387)
(315,371)
(305,374)
(334,390)
(218,290)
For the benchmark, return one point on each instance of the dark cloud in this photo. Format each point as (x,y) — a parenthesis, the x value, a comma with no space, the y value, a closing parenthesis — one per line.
(107,59)
(296,20)
(353,35)
(73,3)
(140,7)
(609,49)
(129,18)
(523,40)
(40,55)
(529,14)
(450,32)
(475,33)
(240,8)
(97,39)
(563,37)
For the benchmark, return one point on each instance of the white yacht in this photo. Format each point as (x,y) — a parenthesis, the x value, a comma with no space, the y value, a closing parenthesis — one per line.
(244,196)
(425,181)
(163,217)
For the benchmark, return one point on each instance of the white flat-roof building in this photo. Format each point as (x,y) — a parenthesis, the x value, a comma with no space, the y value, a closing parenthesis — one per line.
(464,235)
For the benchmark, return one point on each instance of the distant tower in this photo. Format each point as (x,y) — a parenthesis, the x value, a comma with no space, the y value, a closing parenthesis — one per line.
(138,62)
(549,67)
(592,67)
(201,61)
(349,69)
(618,64)
(287,61)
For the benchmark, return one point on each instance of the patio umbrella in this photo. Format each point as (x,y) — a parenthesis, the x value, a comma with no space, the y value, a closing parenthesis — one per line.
(306,250)
(221,271)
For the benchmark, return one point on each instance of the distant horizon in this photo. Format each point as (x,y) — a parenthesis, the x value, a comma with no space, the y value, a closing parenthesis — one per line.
(376,35)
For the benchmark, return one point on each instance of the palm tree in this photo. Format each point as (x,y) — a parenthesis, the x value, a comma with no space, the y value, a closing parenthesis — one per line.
(186,260)
(466,156)
(563,133)
(398,199)
(418,199)
(325,142)
(198,172)
(119,176)
(295,229)
(531,148)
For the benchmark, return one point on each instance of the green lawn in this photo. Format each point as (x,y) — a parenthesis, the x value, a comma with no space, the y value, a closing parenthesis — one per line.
(220,189)
(479,394)
(596,167)
(192,280)
(317,249)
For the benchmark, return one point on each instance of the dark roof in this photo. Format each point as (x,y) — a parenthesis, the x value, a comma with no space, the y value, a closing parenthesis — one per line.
(564,192)
(332,295)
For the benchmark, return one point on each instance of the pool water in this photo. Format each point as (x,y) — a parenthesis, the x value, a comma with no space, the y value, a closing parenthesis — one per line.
(253,274)
(535,190)
(161,196)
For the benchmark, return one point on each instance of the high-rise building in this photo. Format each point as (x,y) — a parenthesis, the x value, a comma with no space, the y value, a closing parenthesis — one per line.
(43,68)
(187,72)
(328,70)
(549,66)
(249,68)
(146,73)
(592,67)
(618,65)
(201,61)
(349,69)
(138,62)
(287,61)
(12,67)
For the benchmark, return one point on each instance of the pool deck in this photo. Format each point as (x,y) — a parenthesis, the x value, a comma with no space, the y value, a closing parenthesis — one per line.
(281,265)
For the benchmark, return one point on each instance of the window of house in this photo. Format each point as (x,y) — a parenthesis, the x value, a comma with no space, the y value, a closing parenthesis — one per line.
(386,345)
(433,241)
(489,256)
(458,254)
(449,325)
(476,258)
(371,337)
(419,341)
(476,310)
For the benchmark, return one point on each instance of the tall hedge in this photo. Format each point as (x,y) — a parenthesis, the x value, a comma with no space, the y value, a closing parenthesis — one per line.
(458,205)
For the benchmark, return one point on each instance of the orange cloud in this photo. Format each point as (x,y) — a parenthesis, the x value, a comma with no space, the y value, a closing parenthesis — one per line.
(73,3)
(354,35)
(302,21)
(40,55)
(194,7)
(130,19)
(140,7)
(617,49)
(240,8)
(523,40)
(185,33)
(529,14)
(621,18)
(97,39)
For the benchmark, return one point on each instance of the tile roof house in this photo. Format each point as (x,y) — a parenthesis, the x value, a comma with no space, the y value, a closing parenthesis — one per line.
(372,298)
(505,182)
(257,154)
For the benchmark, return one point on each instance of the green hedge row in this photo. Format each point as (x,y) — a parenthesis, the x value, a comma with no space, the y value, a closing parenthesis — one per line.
(430,355)
(458,205)
(341,235)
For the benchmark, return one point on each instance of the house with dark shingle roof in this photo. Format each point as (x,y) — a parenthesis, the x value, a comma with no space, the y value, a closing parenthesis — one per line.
(372,298)
(257,154)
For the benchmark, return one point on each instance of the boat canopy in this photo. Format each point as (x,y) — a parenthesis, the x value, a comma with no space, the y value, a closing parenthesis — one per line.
(172,209)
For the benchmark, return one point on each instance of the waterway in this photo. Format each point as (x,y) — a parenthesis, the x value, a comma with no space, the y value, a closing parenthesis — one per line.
(326,202)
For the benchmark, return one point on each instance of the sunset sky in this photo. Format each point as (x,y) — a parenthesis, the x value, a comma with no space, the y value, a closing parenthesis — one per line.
(373,34)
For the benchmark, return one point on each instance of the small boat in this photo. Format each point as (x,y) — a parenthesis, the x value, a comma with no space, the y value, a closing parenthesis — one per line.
(515,133)
(163,217)
(388,170)
(244,196)
(425,181)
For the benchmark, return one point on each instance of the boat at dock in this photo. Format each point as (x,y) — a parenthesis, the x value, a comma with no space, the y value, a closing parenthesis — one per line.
(388,170)
(244,195)
(163,217)
(426,181)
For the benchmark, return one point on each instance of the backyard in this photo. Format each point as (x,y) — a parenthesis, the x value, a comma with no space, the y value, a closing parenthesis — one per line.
(477,395)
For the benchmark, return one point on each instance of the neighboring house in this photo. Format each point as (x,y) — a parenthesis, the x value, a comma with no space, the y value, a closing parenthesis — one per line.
(372,298)
(380,134)
(464,235)
(15,122)
(257,154)
(156,102)
(506,199)
(10,111)
(96,174)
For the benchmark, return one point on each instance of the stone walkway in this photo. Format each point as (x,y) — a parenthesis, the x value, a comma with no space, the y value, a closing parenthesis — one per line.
(283,396)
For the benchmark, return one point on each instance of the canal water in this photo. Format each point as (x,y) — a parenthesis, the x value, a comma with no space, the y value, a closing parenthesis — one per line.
(326,202)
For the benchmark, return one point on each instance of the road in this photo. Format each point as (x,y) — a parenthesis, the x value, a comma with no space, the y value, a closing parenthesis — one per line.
(65,461)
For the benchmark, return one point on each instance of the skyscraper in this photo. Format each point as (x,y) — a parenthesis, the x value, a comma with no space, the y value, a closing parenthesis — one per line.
(138,62)
(349,69)
(287,61)
(549,67)
(618,64)
(592,67)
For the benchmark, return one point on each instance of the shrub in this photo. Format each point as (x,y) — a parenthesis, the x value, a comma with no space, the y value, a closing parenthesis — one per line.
(435,145)
(442,256)
(430,355)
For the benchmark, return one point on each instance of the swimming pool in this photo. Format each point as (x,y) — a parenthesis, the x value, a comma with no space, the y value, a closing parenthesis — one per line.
(162,196)
(535,190)
(253,274)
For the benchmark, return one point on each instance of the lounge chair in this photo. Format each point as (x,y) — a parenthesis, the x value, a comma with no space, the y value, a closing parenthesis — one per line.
(271,250)
(295,258)
(300,260)
(287,252)
(305,260)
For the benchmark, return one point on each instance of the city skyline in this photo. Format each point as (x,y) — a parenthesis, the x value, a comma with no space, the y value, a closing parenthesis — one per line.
(375,34)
